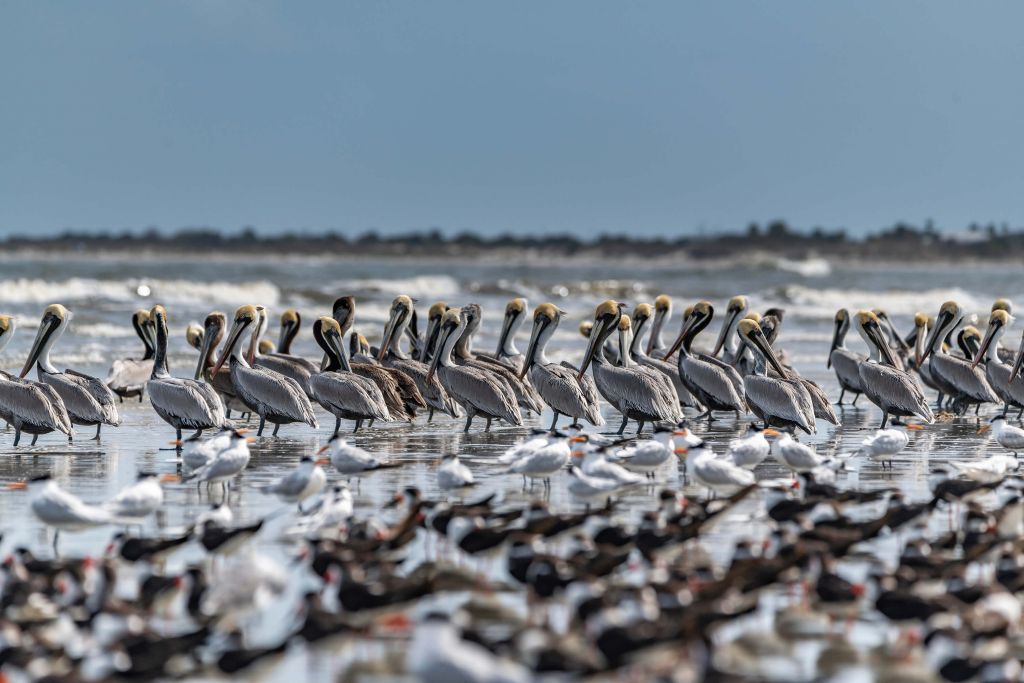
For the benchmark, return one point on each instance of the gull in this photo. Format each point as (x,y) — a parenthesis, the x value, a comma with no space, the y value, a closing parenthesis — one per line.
(351,460)
(307,479)
(989,470)
(718,475)
(888,442)
(750,451)
(794,455)
(1009,437)
(63,511)
(546,459)
(647,456)
(330,514)
(226,464)
(538,438)
(452,474)
(141,499)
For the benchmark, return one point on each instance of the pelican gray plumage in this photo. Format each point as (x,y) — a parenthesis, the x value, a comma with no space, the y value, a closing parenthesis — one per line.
(656,346)
(633,391)
(526,395)
(392,356)
(28,406)
(399,390)
(88,400)
(275,398)
(641,316)
(478,392)
(996,371)
(181,403)
(214,329)
(844,362)
(918,337)
(340,391)
(779,401)
(560,385)
(127,377)
(625,328)
(715,384)
(515,316)
(299,369)
(965,383)
(895,391)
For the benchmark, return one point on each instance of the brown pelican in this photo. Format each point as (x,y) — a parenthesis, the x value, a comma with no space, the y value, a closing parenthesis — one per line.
(87,399)
(271,395)
(181,403)
(641,316)
(392,356)
(341,392)
(625,342)
(996,371)
(656,346)
(714,383)
(30,407)
(895,391)
(194,336)
(434,314)
(1005,354)
(634,392)
(734,312)
(779,401)
(128,376)
(560,385)
(901,351)
(212,334)
(526,396)
(299,369)
(610,350)
(955,375)
(515,316)
(399,390)
(922,324)
(843,361)
(478,392)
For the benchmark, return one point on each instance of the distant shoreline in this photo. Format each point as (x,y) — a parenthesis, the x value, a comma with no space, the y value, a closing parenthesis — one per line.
(901,244)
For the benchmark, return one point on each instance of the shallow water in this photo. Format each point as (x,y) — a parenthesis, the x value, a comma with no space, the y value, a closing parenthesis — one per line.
(103,291)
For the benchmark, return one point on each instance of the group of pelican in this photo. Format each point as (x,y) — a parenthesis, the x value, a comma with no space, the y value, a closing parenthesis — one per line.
(647,381)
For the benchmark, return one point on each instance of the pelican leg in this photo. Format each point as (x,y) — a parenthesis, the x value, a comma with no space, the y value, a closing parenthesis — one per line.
(640,426)
(98,427)
(885,418)
(854,401)
(622,427)
(469,421)
(227,413)
(276,427)
(17,436)
(430,415)
(977,407)
(370,423)
(1019,414)
(141,394)
(262,422)
(842,392)
(488,427)
(554,421)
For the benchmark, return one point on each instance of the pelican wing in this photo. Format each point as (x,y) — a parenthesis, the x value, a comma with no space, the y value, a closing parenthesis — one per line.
(819,401)
(560,389)
(892,389)
(433,392)
(271,393)
(486,392)
(968,380)
(784,399)
(33,403)
(526,396)
(100,392)
(642,390)
(846,365)
(128,374)
(388,386)
(672,372)
(348,392)
(714,379)
(408,388)
(730,372)
(290,366)
(186,402)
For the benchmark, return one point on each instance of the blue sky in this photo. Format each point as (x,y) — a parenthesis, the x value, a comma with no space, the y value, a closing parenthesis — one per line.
(569,116)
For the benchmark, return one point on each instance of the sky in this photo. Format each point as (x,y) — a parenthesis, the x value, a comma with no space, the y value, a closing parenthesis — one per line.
(574,116)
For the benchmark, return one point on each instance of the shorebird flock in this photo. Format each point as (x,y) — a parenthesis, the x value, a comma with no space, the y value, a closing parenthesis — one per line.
(594,589)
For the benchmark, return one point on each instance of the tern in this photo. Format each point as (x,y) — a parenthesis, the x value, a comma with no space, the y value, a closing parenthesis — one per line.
(453,474)
(305,480)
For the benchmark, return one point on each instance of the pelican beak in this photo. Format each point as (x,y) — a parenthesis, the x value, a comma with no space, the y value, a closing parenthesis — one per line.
(204,351)
(938,332)
(389,333)
(169,478)
(990,335)
(236,332)
(1019,360)
(539,324)
(656,325)
(727,324)
(286,333)
(687,325)
(337,347)
(49,325)
(602,328)
(506,329)
(443,336)
(874,332)
(835,342)
(17,486)
(758,340)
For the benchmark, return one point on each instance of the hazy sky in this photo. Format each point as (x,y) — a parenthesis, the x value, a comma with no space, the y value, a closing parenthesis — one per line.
(659,117)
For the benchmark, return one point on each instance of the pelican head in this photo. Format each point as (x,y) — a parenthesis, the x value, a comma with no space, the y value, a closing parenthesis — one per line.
(970,340)
(606,319)
(437,310)
(921,320)
(736,309)
(451,323)
(695,319)
(586,328)
(398,319)
(344,311)
(662,312)
(291,323)
(642,313)
(998,322)
(194,336)
(870,329)
(950,315)
(625,324)
(54,321)
(327,333)
(1002,305)
(663,303)
(753,335)
(266,346)
(545,317)
(210,336)
(245,317)
(841,326)
(434,315)
(515,315)
(7,326)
